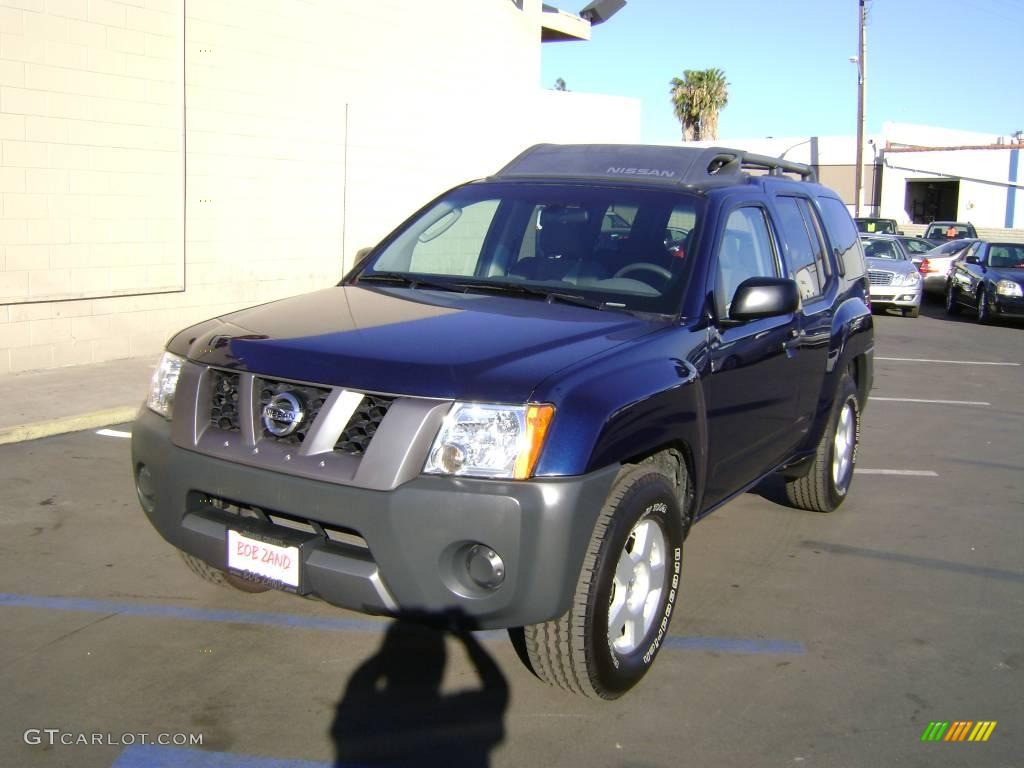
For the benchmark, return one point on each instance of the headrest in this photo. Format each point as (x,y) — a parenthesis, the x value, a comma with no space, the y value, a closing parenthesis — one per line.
(556,215)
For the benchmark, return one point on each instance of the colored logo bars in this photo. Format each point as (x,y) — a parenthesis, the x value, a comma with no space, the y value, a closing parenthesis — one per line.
(959,730)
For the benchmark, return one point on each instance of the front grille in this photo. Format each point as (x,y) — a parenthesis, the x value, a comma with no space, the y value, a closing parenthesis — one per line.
(878,277)
(226,405)
(363,425)
(224,400)
(312,398)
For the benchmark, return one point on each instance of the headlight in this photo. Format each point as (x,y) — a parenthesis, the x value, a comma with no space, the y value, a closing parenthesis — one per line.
(165,381)
(1008,288)
(484,440)
(911,279)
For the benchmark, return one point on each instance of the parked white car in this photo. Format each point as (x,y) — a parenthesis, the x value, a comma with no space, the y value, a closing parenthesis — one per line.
(895,281)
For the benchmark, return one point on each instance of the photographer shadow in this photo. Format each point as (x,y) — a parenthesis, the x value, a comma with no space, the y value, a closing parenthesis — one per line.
(393,712)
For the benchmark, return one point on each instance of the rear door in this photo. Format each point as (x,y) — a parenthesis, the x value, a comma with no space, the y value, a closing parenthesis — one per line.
(806,261)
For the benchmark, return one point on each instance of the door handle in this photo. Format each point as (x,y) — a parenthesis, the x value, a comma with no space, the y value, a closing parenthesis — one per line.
(791,344)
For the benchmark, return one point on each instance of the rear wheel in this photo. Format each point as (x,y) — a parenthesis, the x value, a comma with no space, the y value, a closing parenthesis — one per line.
(625,596)
(824,487)
(207,572)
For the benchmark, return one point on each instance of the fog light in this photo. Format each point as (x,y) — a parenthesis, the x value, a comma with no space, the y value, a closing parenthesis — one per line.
(485,567)
(144,488)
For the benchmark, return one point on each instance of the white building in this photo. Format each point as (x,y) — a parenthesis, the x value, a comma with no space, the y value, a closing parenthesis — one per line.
(164,161)
(916,174)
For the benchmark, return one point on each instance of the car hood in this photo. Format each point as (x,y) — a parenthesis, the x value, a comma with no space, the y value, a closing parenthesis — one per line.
(416,342)
(891,265)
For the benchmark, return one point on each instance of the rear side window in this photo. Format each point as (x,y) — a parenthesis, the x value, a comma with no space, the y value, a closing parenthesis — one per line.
(843,235)
(805,256)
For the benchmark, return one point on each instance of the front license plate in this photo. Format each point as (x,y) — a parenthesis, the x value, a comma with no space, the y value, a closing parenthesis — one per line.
(273,563)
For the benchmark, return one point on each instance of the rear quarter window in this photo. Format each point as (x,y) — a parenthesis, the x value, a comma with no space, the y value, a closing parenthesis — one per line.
(843,235)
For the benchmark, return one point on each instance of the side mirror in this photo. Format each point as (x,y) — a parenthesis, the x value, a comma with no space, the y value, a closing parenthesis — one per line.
(758,297)
(972,260)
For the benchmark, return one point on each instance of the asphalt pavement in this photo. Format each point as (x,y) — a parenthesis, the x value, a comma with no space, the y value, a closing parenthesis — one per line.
(800,639)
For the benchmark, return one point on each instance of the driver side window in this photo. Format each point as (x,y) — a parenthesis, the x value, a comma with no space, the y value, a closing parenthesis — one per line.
(746,250)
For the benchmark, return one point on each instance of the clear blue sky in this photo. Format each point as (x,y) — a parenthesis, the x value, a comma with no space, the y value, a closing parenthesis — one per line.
(949,63)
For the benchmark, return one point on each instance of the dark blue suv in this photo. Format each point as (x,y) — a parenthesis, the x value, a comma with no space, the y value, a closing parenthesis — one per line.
(515,406)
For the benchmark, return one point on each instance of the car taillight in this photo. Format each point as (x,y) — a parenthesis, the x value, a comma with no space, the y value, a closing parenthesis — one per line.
(926,267)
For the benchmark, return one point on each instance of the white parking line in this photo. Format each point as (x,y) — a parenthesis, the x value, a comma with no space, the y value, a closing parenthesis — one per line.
(935,402)
(951,362)
(113,433)
(901,472)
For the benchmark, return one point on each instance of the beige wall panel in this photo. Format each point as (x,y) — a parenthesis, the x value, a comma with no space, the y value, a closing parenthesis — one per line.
(311,129)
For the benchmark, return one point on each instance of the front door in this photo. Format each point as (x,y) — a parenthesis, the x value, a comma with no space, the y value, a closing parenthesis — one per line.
(752,394)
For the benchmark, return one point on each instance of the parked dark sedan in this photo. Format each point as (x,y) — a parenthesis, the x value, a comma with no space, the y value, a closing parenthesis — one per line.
(988,278)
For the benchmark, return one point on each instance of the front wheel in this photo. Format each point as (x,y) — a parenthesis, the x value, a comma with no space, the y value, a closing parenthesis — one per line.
(952,308)
(825,486)
(912,312)
(984,313)
(626,592)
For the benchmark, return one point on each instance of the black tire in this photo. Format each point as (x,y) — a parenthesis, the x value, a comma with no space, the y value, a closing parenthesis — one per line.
(984,314)
(207,572)
(952,307)
(576,651)
(912,312)
(825,485)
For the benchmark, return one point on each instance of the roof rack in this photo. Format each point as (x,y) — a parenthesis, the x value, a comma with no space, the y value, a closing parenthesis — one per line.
(673,165)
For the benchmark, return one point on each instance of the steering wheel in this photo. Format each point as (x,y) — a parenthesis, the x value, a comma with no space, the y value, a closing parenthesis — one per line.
(644,266)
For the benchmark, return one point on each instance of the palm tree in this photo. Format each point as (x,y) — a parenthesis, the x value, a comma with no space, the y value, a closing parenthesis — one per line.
(697,100)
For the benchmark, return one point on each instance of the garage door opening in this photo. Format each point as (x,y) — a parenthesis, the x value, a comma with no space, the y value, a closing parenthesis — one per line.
(931,200)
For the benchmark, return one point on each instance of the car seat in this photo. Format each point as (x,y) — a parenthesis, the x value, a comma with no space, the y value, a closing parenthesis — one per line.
(561,244)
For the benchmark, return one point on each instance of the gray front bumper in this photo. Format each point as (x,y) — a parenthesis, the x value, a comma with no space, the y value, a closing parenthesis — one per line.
(414,533)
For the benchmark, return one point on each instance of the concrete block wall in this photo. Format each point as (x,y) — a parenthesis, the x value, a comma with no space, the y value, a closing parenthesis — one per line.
(90,171)
(310,129)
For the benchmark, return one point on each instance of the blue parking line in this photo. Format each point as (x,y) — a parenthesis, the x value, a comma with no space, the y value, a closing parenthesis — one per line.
(87,605)
(152,756)
(744,646)
(735,645)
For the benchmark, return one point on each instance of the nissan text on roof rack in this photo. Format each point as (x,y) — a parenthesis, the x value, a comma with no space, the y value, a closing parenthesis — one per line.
(514,408)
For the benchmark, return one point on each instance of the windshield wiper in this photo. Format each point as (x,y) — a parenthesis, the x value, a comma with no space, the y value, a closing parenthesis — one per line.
(411,281)
(542,293)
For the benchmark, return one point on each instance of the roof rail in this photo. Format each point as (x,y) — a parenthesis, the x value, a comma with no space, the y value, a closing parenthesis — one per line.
(650,163)
(776,166)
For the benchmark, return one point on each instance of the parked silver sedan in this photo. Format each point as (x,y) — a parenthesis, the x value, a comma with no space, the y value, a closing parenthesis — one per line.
(934,265)
(895,281)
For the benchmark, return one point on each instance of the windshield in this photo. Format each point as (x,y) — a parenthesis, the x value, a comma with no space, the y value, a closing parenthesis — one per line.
(948,231)
(606,247)
(1006,256)
(917,245)
(883,249)
(881,226)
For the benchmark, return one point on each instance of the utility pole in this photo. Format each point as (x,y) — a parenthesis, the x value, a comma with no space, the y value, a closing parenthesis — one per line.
(862,74)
